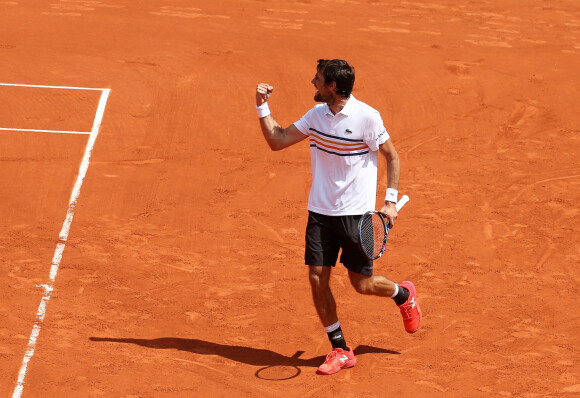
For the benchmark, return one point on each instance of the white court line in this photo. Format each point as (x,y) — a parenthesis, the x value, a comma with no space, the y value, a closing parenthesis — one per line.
(63,237)
(60,87)
(47,131)
(56,87)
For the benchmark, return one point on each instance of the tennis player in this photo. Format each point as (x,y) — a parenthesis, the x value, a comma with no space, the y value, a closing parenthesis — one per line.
(345,136)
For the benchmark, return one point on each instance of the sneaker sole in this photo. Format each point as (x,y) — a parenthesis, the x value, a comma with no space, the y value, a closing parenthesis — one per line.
(346,365)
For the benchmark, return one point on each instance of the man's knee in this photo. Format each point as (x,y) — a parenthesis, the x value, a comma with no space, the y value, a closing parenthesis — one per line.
(361,283)
(319,278)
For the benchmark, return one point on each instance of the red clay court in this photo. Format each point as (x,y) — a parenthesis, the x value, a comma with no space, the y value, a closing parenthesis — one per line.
(177,269)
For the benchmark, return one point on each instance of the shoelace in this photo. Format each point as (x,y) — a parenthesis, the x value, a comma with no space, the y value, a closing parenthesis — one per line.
(331,355)
(407,310)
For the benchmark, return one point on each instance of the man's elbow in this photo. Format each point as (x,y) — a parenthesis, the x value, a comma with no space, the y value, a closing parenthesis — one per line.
(390,152)
(276,145)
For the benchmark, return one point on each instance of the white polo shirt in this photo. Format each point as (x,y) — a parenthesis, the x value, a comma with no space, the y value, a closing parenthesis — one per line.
(343,153)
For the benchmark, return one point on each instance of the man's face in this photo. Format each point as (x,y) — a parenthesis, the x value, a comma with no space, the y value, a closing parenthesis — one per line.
(323,94)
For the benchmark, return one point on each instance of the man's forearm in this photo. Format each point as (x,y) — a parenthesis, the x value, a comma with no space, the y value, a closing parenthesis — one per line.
(271,130)
(393,172)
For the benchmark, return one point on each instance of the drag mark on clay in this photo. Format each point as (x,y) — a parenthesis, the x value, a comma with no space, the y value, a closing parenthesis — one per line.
(285,23)
(516,197)
(287,11)
(489,42)
(341,1)
(521,113)
(74,5)
(547,253)
(322,22)
(418,145)
(279,23)
(460,68)
(72,8)
(228,375)
(202,365)
(488,231)
(448,326)
(179,268)
(574,23)
(385,29)
(184,12)
(272,231)
(431,385)
(498,30)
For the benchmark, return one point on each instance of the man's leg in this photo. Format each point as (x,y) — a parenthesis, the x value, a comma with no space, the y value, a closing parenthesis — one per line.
(341,357)
(404,295)
(375,285)
(323,299)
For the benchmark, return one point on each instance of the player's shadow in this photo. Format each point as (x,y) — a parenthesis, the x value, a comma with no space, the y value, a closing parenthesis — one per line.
(247,355)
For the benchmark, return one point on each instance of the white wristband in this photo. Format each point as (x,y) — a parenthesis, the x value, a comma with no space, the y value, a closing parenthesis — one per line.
(392,195)
(263,110)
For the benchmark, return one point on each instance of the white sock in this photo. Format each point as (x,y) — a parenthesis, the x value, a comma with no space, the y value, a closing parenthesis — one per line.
(332,327)
(396,291)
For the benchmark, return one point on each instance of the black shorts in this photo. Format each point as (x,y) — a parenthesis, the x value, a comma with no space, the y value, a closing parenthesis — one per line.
(326,235)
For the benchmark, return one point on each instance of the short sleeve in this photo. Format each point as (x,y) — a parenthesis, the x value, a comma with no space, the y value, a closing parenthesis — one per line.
(376,134)
(303,125)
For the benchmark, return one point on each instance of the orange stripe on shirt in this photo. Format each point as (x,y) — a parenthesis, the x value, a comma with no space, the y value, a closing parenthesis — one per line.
(350,149)
(312,136)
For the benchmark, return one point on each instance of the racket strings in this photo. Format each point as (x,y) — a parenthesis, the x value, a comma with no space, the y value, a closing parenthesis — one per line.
(372,235)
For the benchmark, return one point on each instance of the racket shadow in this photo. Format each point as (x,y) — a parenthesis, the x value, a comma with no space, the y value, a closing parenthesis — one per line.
(247,355)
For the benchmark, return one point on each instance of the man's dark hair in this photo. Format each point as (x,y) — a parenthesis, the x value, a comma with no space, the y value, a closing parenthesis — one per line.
(340,72)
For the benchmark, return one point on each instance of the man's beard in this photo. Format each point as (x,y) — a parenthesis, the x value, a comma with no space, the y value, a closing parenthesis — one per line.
(318,97)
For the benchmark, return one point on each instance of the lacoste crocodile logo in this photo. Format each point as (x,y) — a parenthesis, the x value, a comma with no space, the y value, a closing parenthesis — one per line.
(348,131)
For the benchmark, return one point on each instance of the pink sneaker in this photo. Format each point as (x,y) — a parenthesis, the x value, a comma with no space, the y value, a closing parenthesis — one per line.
(410,309)
(337,359)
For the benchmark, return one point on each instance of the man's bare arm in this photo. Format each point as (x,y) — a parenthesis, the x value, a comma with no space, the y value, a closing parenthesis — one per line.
(276,136)
(393,173)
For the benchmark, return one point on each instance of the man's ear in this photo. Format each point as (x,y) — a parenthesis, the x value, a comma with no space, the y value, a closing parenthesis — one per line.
(332,87)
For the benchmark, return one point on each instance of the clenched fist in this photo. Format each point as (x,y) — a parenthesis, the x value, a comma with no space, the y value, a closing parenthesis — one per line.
(263,92)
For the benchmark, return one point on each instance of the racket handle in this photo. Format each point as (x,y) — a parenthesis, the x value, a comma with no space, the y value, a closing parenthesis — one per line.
(404,199)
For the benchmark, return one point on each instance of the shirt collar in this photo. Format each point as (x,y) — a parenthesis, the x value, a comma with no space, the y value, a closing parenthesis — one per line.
(347,110)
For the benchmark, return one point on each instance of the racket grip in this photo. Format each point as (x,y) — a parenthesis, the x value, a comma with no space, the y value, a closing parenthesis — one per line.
(402,202)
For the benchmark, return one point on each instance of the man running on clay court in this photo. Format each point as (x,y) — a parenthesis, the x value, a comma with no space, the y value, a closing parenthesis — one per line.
(345,136)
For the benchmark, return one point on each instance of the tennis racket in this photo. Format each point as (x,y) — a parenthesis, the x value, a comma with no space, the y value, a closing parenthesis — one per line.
(373,231)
